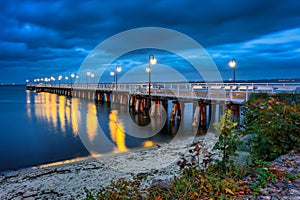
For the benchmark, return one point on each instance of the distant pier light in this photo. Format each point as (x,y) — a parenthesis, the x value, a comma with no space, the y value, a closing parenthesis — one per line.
(59,79)
(93,77)
(232,64)
(72,77)
(88,73)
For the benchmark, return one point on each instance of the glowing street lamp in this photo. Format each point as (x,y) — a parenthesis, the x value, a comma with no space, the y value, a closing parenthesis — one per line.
(151,61)
(118,70)
(86,77)
(93,76)
(27,81)
(45,80)
(115,75)
(59,79)
(52,79)
(232,64)
(72,77)
(112,74)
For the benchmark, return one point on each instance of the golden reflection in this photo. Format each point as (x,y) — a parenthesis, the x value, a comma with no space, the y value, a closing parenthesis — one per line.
(53,110)
(68,113)
(48,107)
(28,96)
(116,128)
(75,115)
(148,143)
(62,162)
(28,106)
(61,113)
(91,122)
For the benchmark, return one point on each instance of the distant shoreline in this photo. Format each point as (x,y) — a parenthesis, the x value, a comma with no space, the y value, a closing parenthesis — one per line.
(12,84)
(275,80)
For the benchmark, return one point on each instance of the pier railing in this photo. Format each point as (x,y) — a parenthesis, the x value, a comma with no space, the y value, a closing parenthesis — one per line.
(215,91)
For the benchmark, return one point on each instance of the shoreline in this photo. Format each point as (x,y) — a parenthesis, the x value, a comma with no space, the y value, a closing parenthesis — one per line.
(41,166)
(77,159)
(67,180)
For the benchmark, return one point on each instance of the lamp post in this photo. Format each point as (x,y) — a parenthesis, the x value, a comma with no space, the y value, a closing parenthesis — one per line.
(93,76)
(232,64)
(67,78)
(152,60)
(59,79)
(45,81)
(118,69)
(86,77)
(27,81)
(115,75)
(72,78)
(77,77)
(52,79)
(112,73)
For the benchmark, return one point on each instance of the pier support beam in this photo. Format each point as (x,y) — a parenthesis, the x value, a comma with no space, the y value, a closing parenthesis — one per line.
(107,95)
(176,110)
(132,101)
(203,116)
(196,117)
(155,109)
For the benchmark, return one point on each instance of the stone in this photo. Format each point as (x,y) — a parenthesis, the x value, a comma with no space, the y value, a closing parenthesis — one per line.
(246,142)
(275,198)
(28,194)
(264,197)
(294,192)
(162,184)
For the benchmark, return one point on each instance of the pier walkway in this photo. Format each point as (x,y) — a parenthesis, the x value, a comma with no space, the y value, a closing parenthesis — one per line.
(235,92)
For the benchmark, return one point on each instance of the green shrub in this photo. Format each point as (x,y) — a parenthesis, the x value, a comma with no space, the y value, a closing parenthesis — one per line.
(121,188)
(275,125)
(199,184)
(228,141)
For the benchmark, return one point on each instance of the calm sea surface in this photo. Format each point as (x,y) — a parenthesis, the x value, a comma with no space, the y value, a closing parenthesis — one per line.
(41,128)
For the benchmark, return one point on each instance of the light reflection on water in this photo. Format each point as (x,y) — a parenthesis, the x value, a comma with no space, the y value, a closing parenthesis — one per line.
(116,129)
(57,123)
(91,121)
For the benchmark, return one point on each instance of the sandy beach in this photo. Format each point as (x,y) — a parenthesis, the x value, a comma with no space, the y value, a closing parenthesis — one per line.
(66,181)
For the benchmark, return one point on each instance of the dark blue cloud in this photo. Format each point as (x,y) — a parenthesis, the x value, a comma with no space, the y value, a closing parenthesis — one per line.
(39,37)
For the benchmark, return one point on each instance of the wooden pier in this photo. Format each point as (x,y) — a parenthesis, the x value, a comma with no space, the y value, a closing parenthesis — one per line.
(210,100)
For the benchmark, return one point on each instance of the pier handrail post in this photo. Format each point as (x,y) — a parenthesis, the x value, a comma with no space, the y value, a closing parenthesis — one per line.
(230,94)
(151,60)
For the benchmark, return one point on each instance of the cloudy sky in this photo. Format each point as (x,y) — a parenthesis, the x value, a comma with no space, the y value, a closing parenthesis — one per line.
(48,38)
